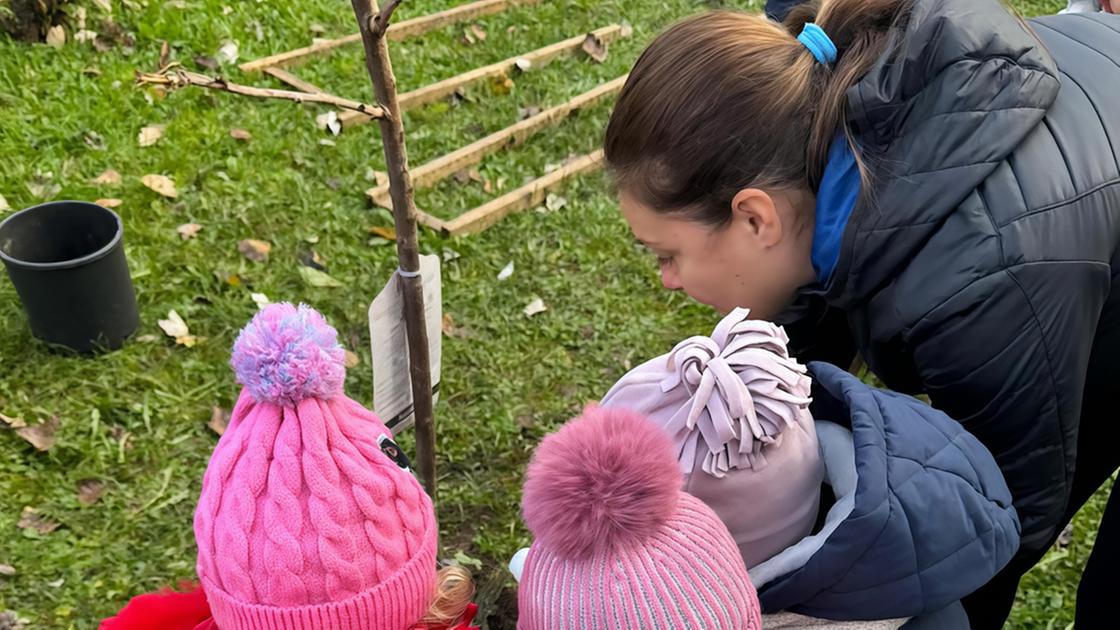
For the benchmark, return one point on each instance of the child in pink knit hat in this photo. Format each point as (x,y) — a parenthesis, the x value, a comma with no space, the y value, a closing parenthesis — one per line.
(617,544)
(736,407)
(309,517)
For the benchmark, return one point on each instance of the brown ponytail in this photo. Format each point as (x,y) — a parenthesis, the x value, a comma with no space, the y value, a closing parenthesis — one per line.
(725,101)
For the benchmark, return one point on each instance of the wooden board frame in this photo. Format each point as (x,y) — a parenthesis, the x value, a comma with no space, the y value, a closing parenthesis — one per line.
(429,173)
(398,31)
(527,196)
(447,87)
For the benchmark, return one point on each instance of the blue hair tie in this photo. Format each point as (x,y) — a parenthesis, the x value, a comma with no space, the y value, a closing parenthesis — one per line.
(818,43)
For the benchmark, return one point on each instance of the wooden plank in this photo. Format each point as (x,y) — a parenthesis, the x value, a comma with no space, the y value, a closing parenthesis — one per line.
(294,81)
(437,224)
(401,30)
(447,87)
(429,173)
(528,196)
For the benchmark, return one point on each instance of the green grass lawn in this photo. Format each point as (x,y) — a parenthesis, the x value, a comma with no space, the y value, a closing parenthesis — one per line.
(136,419)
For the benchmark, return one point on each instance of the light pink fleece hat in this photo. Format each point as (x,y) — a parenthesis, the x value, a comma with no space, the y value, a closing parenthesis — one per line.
(736,408)
(304,522)
(617,544)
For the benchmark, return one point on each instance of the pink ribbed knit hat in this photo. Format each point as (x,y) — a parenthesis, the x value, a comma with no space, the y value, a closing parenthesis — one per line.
(617,544)
(304,522)
(736,408)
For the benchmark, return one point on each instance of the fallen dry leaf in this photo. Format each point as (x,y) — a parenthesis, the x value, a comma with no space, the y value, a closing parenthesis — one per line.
(109,203)
(164,54)
(89,491)
(523,64)
(177,329)
(188,230)
(501,85)
(240,134)
(41,436)
(104,5)
(535,307)
(208,63)
(528,112)
(94,140)
(554,202)
(352,360)
(56,37)
(506,272)
(387,233)
(31,519)
(108,177)
(174,326)
(311,258)
(487,186)
(150,135)
(147,338)
(317,278)
(260,299)
(478,32)
(451,329)
(7,570)
(227,53)
(329,122)
(595,48)
(254,250)
(42,186)
(219,420)
(85,36)
(4,207)
(161,184)
(468,38)
(1066,537)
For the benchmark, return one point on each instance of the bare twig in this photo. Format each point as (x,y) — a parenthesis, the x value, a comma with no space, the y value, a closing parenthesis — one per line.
(380,22)
(404,216)
(175,77)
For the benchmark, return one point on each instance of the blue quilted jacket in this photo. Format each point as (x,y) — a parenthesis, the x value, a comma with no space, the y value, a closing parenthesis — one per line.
(922,516)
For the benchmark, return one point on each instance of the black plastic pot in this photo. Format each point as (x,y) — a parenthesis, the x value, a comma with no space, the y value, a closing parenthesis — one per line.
(66,260)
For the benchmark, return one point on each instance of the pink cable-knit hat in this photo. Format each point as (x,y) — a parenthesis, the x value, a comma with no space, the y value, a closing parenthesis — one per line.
(304,522)
(736,408)
(616,542)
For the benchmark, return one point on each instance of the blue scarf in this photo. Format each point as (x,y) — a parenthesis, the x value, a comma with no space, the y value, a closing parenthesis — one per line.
(836,198)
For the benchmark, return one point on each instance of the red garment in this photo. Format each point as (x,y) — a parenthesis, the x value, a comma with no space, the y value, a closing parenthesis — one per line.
(189,610)
(166,609)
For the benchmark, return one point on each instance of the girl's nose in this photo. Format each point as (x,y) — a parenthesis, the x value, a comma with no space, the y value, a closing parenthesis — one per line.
(669,280)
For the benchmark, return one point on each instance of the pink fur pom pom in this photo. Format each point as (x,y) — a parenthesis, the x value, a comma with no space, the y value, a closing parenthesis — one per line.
(603,482)
(288,354)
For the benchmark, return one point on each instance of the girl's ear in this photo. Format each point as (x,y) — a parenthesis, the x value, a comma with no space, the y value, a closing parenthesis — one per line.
(754,211)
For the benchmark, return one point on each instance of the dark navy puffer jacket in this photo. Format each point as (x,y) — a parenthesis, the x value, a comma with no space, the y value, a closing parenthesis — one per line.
(987,264)
(922,517)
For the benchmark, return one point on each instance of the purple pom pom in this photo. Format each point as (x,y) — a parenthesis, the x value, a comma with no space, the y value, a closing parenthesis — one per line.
(288,354)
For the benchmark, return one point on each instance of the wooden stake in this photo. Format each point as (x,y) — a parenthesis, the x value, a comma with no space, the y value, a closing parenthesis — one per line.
(373,25)
(402,30)
(529,195)
(447,87)
(174,78)
(428,174)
